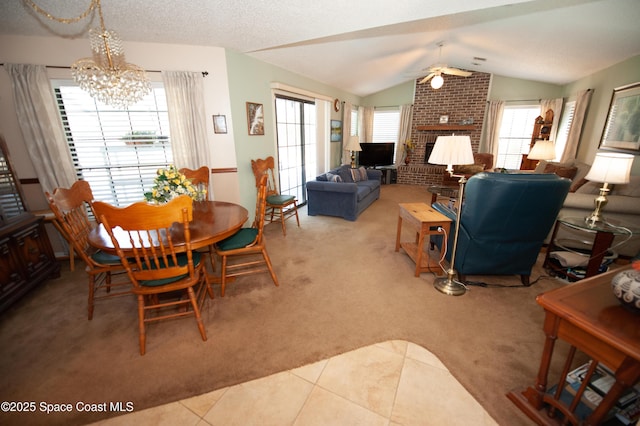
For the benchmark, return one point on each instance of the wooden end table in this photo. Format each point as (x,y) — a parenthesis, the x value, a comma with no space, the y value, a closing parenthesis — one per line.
(426,221)
(589,317)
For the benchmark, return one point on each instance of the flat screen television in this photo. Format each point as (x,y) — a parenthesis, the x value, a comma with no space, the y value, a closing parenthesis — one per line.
(375,154)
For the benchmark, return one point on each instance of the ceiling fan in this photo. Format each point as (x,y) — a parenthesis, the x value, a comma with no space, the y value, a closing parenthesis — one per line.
(436,71)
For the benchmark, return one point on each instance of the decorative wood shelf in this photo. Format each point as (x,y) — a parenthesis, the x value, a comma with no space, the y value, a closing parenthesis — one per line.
(448,127)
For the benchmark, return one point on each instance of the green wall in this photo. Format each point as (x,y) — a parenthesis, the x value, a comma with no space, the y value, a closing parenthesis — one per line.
(250,81)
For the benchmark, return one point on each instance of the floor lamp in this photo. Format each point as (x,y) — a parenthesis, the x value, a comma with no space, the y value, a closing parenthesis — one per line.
(450,151)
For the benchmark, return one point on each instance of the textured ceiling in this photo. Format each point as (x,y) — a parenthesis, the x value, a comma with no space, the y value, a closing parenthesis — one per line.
(364,46)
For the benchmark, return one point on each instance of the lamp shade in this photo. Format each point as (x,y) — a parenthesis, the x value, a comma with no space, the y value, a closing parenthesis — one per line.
(451,151)
(542,150)
(610,167)
(353,144)
(437,81)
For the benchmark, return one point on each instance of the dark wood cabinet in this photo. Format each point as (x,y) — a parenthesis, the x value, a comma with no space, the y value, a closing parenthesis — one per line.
(26,257)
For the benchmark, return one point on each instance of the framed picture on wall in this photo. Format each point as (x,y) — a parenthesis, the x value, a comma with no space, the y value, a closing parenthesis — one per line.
(219,124)
(622,129)
(336,130)
(255,118)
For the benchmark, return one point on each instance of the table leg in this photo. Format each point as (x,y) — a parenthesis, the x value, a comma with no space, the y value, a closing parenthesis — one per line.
(419,253)
(398,233)
(601,244)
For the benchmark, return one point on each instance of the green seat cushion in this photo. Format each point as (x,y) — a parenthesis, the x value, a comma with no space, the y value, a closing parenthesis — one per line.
(280,199)
(240,239)
(105,258)
(182,261)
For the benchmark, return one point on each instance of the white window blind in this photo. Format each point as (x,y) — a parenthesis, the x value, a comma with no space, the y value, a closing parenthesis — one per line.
(515,135)
(10,200)
(354,122)
(117,151)
(564,127)
(386,123)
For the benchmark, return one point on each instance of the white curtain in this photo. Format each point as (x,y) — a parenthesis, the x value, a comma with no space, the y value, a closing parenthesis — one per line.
(494,120)
(367,124)
(554,105)
(41,126)
(346,132)
(582,102)
(404,131)
(186,118)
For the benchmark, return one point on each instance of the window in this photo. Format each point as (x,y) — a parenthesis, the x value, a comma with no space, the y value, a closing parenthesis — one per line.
(564,127)
(354,122)
(386,123)
(515,135)
(117,151)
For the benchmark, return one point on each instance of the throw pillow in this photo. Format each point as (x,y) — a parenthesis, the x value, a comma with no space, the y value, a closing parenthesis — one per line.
(322,178)
(560,170)
(345,173)
(468,169)
(333,178)
(359,174)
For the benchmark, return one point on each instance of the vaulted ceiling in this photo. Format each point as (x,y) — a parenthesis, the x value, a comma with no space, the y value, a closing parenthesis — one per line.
(364,46)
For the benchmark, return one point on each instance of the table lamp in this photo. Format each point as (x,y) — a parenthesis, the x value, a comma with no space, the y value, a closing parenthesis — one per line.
(450,151)
(542,150)
(608,167)
(353,145)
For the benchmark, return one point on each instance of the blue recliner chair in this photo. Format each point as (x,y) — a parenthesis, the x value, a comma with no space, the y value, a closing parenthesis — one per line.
(504,221)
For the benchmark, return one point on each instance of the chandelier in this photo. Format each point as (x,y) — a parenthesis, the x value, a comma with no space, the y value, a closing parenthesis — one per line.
(106,76)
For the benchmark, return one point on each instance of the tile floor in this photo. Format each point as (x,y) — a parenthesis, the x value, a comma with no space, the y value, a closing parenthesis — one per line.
(391,383)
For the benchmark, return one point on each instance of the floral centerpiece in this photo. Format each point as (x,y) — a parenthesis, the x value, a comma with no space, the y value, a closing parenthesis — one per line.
(170,183)
(408,149)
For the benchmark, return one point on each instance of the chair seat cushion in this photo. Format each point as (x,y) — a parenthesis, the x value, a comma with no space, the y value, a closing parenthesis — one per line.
(105,258)
(182,261)
(278,200)
(240,239)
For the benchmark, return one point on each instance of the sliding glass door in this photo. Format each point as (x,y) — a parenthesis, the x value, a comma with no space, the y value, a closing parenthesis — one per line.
(296,132)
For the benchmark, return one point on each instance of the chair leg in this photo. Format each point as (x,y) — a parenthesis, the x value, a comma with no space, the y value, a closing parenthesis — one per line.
(284,227)
(141,326)
(271,271)
(92,289)
(525,280)
(196,312)
(223,275)
(295,206)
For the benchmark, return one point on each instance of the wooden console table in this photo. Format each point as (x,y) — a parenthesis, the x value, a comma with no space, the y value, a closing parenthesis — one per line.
(589,317)
(425,220)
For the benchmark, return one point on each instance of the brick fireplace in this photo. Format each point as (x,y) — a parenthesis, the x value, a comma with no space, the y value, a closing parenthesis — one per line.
(464,100)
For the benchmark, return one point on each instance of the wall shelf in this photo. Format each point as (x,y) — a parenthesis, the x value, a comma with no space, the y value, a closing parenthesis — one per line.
(447,127)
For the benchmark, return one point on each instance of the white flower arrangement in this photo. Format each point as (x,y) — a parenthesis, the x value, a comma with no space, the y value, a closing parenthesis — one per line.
(169,184)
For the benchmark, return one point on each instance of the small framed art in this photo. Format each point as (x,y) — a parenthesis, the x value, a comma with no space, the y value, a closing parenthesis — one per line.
(336,130)
(255,118)
(220,124)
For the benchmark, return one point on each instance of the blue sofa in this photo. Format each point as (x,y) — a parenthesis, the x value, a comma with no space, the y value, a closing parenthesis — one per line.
(505,219)
(343,197)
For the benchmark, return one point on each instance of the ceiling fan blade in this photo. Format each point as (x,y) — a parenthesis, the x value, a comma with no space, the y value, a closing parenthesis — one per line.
(427,78)
(456,71)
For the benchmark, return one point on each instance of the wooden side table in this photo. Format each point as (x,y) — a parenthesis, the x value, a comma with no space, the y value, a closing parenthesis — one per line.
(426,221)
(589,317)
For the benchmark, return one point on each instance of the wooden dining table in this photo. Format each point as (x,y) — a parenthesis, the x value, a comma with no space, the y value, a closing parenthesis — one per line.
(212,221)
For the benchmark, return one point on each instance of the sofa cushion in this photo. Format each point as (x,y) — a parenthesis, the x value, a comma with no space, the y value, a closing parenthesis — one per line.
(468,169)
(359,174)
(631,189)
(345,173)
(590,187)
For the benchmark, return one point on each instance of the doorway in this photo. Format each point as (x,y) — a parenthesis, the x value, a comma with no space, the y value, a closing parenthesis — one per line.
(296,139)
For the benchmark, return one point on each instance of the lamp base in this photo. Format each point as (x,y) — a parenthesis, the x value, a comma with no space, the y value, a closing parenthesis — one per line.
(449,286)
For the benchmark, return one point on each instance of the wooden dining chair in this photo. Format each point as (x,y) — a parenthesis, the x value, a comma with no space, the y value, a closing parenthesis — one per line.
(279,207)
(71,207)
(200,178)
(246,248)
(169,280)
